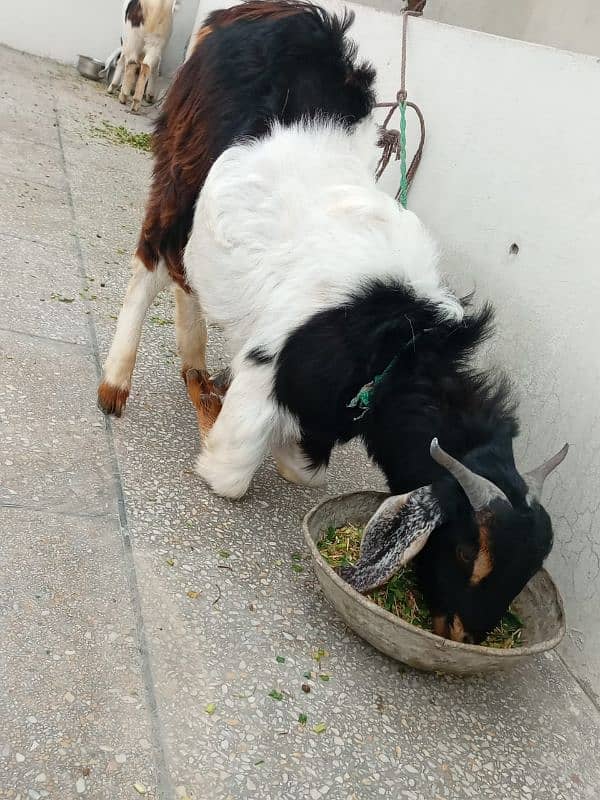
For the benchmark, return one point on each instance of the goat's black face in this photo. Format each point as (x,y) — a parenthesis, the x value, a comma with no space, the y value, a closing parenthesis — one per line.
(479,534)
(473,566)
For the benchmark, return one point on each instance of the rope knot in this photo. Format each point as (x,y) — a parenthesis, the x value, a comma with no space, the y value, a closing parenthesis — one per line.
(401,96)
(388,138)
(389,141)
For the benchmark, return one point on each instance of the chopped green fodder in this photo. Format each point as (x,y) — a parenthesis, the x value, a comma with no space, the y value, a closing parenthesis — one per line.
(119,134)
(401,595)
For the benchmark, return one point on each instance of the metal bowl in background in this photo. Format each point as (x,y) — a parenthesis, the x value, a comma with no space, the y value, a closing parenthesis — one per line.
(539,606)
(89,67)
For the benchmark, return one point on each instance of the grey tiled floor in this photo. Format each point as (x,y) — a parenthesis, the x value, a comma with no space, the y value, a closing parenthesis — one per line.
(107,663)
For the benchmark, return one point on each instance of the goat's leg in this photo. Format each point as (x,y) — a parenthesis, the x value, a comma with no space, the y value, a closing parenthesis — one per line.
(207,395)
(129,80)
(240,437)
(296,464)
(140,87)
(143,287)
(190,328)
(149,65)
(152,82)
(117,78)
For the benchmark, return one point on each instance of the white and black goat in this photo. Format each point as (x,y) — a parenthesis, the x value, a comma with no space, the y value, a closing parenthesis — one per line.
(147,26)
(321,282)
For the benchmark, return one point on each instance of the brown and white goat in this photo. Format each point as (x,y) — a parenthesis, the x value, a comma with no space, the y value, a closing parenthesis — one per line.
(147,26)
(253,64)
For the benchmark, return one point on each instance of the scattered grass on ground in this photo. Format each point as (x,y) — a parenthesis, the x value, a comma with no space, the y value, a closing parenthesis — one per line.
(401,595)
(119,134)
(161,321)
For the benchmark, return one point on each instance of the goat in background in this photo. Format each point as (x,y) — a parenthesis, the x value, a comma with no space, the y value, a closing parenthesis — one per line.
(147,26)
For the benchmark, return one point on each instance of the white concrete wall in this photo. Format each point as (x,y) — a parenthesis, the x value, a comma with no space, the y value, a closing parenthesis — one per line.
(512,156)
(183,25)
(573,25)
(61,29)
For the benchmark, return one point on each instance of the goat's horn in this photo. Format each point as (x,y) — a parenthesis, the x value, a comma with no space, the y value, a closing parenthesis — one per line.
(479,490)
(535,479)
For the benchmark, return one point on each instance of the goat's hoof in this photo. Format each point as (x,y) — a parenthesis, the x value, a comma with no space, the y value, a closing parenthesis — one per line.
(196,375)
(122,98)
(300,476)
(206,400)
(111,399)
(110,89)
(222,482)
(198,384)
(149,99)
(293,467)
(135,107)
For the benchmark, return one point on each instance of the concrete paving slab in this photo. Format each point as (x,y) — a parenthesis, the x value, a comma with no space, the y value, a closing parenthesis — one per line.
(53,450)
(28,112)
(37,163)
(41,287)
(84,105)
(86,136)
(25,69)
(34,211)
(214,594)
(388,729)
(73,708)
(103,209)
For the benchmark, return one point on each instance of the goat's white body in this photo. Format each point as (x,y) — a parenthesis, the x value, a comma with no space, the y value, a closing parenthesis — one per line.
(294,223)
(284,227)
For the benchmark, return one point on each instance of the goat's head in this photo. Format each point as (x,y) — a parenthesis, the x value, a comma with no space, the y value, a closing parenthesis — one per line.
(481,547)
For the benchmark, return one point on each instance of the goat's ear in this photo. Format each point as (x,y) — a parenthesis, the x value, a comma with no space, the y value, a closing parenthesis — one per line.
(394,535)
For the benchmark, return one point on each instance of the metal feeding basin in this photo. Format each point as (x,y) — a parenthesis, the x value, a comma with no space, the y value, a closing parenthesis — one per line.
(89,67)
(539,606)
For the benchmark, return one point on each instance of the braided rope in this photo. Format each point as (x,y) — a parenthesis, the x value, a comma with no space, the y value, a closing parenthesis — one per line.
(403,190)
(393,142)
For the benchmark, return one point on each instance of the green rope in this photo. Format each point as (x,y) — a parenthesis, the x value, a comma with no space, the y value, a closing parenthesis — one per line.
(362,400)
(364,397)
(403,192)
